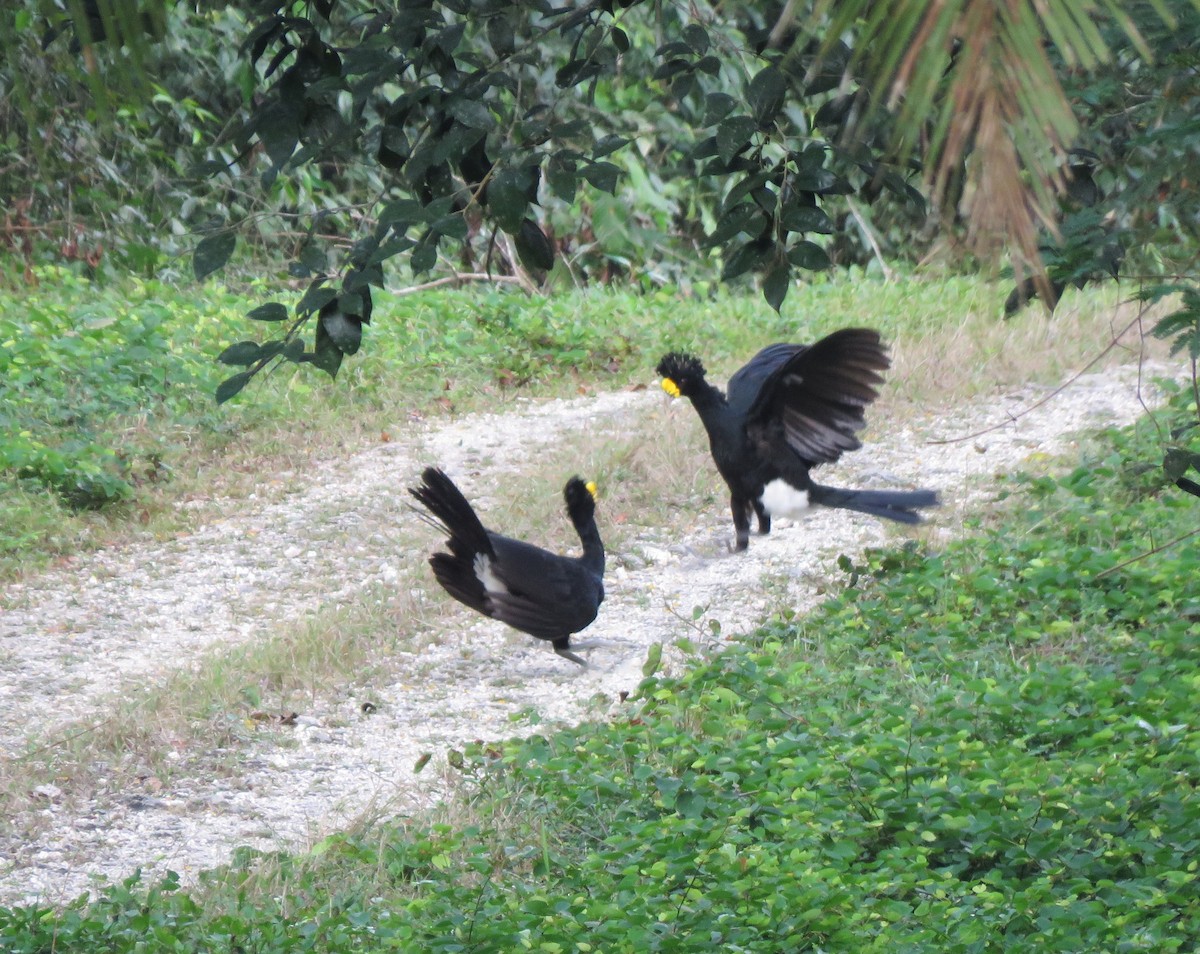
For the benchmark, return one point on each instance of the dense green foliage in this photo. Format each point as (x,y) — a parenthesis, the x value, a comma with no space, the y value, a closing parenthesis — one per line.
(656,144)
(990,747)
(110,184)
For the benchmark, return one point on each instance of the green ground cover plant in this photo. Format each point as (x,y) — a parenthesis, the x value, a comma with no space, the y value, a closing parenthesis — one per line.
(987,747)
(80,365)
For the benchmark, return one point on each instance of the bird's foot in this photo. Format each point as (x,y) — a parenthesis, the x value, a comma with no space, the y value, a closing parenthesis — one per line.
(567,654)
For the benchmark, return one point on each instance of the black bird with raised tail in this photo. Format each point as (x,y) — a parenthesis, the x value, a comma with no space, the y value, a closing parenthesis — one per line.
(789,409)
(531,589)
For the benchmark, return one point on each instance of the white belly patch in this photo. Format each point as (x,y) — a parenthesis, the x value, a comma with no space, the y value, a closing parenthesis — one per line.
(781,499)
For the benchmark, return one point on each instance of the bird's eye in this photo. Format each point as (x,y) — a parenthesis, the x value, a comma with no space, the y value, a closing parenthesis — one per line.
(670,387)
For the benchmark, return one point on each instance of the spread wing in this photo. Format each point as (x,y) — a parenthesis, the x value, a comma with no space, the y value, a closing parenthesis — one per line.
(813,398)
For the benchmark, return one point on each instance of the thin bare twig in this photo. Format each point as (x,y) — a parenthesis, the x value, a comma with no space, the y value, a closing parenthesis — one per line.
(459,278)
(869,235)
(1013,418)
(1142,556)
(69,737)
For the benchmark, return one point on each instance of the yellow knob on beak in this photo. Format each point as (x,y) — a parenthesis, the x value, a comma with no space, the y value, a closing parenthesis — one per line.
(670,387)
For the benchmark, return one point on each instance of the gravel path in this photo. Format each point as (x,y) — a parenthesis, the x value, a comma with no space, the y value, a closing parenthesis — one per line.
(74,639)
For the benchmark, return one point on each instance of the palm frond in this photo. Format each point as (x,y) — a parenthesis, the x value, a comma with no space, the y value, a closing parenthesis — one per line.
(972,82)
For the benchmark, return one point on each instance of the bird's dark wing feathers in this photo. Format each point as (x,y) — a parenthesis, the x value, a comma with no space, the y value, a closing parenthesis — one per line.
(457,575)
(816,395)
(547,596)
(541,619)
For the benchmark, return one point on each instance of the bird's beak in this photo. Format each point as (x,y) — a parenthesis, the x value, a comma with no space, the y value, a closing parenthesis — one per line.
(592,489)
(670,387)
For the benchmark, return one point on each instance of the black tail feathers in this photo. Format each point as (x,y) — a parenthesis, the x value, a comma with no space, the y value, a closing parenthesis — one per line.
(454,514)
(898,505)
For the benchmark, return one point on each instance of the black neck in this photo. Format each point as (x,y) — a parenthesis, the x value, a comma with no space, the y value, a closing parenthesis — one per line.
(711,405)
(593,547)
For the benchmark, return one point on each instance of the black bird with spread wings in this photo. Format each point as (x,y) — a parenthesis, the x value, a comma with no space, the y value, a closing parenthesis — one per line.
(531,589)
(790,408)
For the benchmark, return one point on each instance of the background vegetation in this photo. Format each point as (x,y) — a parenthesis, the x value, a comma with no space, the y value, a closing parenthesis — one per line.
(646,142)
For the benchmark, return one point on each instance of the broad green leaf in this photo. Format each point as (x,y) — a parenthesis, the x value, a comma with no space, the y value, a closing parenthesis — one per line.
(500,34)
(806,218)
(717,106)
(293,351)
(576,72)
(689,804)
(809,256)
(448,39)
(743,188)
(317,297)
(452,226)
(278,127)
(765,95)
(313,259)
(424,257)
(607,146)
(673,48)
(696,37)
(776,282)
(360,279)
(394,149)
(473,114)
(272,311)
(705,149)
(562,175)
(746,257)
(212,253)
(356,301)
(232,385)
(653,660)
(733,135)
(400,214)
(603,175)
(507,198)
(326,354)
(746,217)
(242,353)
(815,180)
(671,68)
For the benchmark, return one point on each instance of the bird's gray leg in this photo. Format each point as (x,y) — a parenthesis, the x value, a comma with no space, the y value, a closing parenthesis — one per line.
(562,647)
(740,507)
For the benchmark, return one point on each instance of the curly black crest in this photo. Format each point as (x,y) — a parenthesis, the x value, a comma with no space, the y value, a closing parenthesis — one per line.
(576,490)
(680,367)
